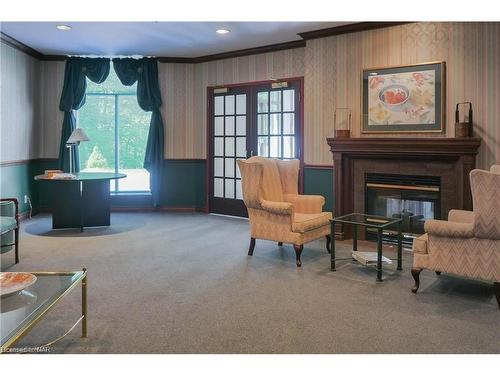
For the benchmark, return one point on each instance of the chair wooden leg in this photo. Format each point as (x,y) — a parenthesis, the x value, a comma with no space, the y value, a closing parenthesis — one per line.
(16,246)
(415,272)
(298,251)
(280,243)
(252,246)
(438,273)
(496,287)
(328,242)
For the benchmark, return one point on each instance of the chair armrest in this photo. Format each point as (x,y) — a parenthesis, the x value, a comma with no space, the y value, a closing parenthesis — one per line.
(306,204)
(443,228)
(461,216)
(278,208)
(14,202)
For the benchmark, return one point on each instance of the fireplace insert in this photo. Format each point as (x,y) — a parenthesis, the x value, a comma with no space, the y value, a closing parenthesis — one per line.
(415,199)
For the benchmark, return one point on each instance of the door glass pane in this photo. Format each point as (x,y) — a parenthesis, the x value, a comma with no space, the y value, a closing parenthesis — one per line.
(219,187)
(229,146)
(288,147)
(275,126)
(275,147)
(230,105)
(218,167)
(288,100)
(133,128)
(219,146)
(262,98)
(229,125)
(219,126)
(219,105)
(275,101)
(229,184)
(239,192)
(263,146)
(241,104)
(229,170)
(262,124)
(288,123)
(241,125)
(241,147)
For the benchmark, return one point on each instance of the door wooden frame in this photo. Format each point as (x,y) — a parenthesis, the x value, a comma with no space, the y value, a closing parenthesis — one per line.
(209,130)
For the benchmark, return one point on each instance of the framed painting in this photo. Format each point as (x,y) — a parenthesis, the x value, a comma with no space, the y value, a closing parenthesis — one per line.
(401,99)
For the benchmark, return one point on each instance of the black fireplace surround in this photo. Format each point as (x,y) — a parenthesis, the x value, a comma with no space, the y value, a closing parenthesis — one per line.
(415,199)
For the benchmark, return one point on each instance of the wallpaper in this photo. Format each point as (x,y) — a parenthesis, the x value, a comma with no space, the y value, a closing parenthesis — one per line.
(18,92)
(50,117)
(471,51)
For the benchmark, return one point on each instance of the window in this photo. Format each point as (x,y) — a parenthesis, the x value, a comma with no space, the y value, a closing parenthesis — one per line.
(118,130)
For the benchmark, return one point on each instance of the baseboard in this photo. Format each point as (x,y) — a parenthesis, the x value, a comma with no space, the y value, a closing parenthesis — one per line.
(155,209)
(135,209)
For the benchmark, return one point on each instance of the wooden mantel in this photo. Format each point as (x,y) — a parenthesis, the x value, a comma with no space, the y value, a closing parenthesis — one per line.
(397,146)
(449,158)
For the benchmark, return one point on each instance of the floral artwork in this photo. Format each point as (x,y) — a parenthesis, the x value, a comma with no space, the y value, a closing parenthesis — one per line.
(402,99)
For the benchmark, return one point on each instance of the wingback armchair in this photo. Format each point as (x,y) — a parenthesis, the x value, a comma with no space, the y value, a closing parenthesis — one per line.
(468,244)
(275,209)
(9,226)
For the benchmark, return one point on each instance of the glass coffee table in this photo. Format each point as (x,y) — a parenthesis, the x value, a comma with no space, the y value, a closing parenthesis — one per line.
(379,223)
(21,311)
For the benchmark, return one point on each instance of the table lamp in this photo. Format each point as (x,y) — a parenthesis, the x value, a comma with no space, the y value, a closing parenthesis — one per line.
(77,136)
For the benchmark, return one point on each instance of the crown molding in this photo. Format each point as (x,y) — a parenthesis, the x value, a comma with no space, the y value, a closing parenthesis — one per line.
(338,30)
(20,46)
(346,29)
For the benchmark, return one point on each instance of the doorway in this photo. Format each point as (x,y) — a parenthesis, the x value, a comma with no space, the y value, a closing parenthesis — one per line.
(262,118)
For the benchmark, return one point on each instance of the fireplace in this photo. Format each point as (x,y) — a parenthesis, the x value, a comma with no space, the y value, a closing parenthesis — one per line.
(447,160)
(414,199)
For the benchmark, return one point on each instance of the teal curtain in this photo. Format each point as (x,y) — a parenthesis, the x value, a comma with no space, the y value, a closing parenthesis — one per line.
(145,72)
(77,70)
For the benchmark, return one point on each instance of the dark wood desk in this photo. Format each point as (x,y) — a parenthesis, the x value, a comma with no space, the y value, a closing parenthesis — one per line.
(81,202)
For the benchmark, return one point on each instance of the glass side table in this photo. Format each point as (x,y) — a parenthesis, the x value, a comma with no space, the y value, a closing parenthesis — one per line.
(21,311)
(379,223)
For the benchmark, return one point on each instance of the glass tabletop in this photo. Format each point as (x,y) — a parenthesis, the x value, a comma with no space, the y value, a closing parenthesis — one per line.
(372,221)
(20,310)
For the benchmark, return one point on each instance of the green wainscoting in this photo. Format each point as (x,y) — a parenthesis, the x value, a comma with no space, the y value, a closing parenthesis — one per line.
(16,181)
(183,185)
(320,181)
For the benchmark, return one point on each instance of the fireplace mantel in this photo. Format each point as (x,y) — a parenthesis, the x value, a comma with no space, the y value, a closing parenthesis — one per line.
(436,146)
(451,159)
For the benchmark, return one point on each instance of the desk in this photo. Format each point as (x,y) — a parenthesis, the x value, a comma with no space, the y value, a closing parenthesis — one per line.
(81,202)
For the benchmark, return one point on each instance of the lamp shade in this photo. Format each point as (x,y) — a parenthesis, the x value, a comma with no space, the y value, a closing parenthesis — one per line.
(78,135)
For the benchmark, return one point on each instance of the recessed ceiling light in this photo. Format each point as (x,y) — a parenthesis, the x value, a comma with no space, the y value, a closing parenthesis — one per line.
(64,27)
(222,31)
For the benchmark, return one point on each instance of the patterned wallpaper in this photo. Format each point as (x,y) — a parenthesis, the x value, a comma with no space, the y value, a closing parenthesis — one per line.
(18,92)
(50,117)
(333,77)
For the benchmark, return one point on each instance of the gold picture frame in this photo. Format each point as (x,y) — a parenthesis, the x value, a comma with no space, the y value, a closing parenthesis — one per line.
(416,104)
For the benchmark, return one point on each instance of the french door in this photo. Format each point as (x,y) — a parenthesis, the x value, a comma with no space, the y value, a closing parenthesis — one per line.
(246,120)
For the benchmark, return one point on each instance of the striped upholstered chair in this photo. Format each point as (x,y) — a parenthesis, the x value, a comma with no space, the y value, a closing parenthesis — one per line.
(468,244)
(275,209)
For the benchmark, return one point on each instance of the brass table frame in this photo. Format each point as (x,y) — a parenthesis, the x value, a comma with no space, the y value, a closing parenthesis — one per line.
(27,326)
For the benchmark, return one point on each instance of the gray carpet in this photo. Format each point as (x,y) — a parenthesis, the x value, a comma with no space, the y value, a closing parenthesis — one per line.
(183,283)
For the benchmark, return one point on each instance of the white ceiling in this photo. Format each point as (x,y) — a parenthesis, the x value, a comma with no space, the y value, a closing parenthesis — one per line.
(175,39)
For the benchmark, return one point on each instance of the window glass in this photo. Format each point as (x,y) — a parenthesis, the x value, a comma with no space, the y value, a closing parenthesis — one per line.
(118,130)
